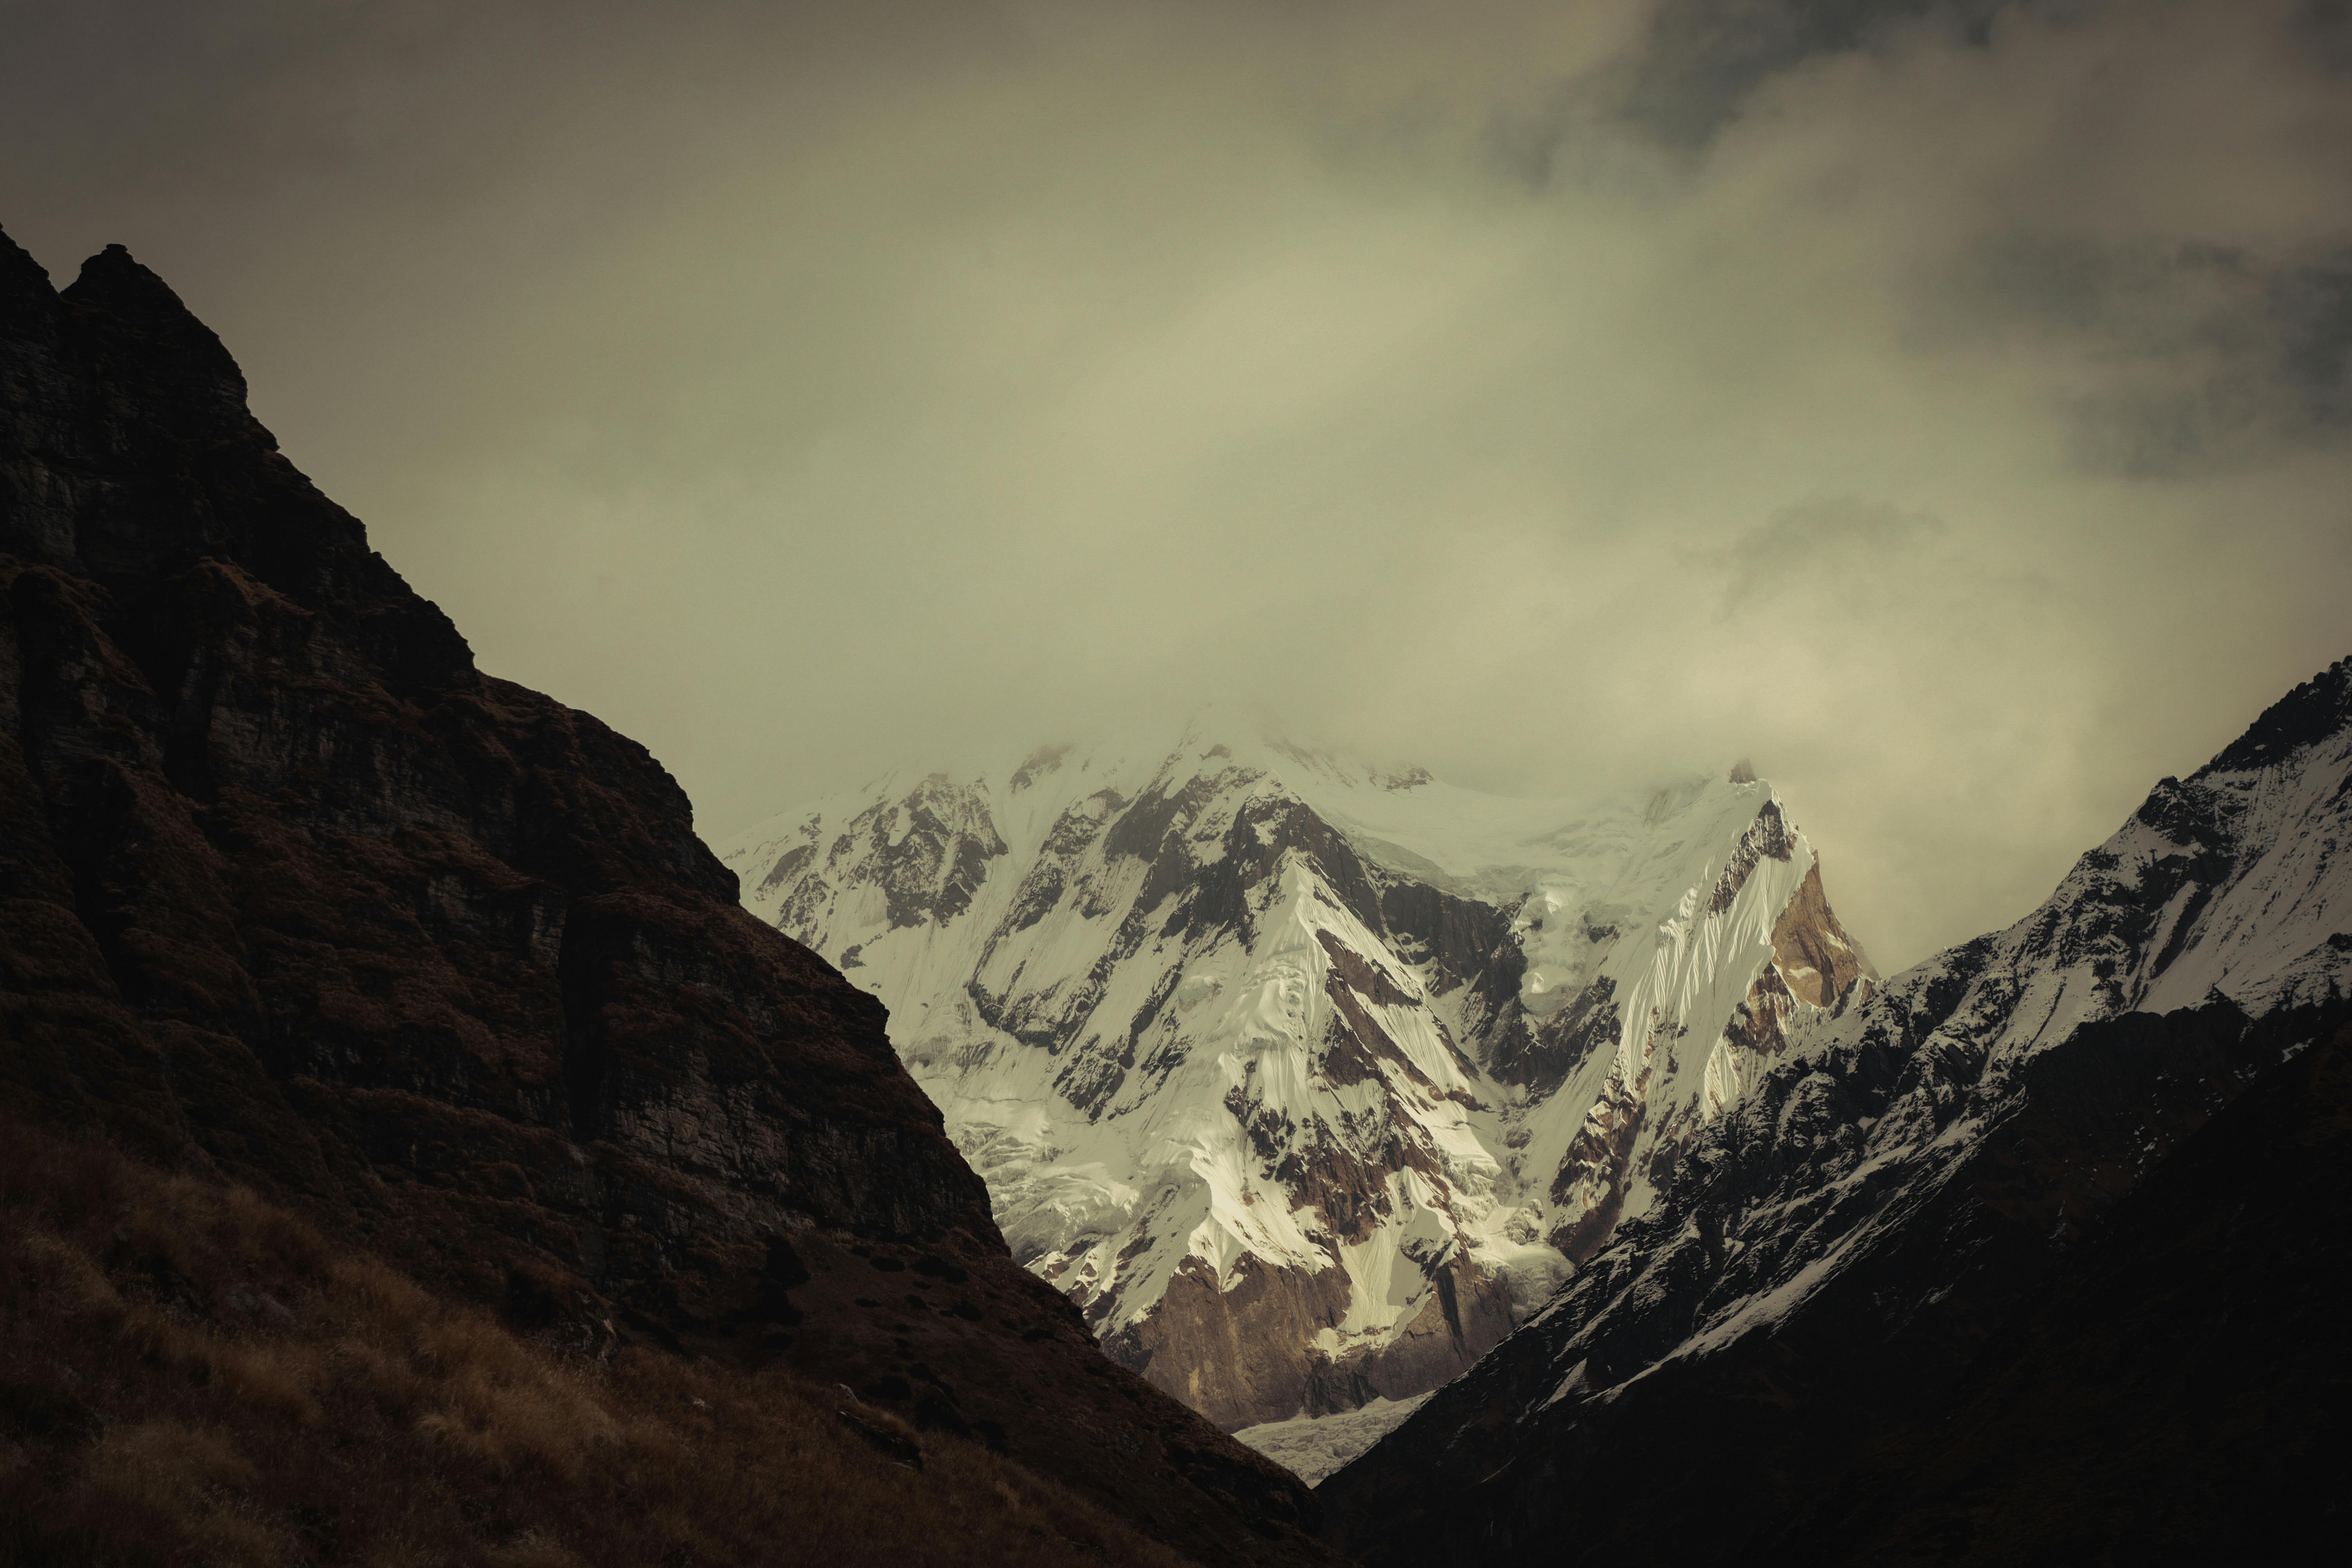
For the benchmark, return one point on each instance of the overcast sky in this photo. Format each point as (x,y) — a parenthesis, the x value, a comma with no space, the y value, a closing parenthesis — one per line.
(1944,404)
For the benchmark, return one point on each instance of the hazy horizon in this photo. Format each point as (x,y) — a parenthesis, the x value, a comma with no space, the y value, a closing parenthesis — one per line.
(1941,403)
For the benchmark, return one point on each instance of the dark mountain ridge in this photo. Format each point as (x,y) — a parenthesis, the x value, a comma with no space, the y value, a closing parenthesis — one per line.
(1772,1360)
(292,896)
(2180,1386)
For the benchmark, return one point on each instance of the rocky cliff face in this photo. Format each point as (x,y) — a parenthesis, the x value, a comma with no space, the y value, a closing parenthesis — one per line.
(1307,1082)
(1830,1255)
(293,895)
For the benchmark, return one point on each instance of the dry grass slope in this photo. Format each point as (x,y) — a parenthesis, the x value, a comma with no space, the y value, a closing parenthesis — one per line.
(189,1375)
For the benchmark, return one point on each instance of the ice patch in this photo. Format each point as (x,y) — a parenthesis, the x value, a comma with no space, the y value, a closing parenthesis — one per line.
(1313,1447)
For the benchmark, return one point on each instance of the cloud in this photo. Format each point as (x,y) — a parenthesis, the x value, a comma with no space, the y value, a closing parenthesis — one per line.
(1838,541)
(1944,403)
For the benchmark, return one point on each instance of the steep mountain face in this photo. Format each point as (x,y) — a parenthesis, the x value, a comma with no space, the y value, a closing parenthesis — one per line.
(1832,1253)
(1308,1083)
(2204,1318)
(292,895)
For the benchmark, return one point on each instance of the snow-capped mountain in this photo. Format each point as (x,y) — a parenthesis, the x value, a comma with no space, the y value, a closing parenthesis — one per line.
(1307,1081)
(1831,1251)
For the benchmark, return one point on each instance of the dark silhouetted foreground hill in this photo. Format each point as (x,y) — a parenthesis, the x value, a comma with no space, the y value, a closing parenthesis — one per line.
(293,897)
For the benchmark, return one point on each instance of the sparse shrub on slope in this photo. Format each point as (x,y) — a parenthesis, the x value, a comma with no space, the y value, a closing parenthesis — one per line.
(189,1375)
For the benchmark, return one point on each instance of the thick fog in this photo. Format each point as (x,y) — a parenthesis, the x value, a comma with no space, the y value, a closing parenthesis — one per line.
(1944,404)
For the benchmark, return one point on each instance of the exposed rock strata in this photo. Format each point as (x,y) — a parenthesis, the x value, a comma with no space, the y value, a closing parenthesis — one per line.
(292,895)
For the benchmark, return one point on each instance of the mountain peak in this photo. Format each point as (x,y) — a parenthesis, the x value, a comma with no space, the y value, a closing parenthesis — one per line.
(1837,1247)
(154,347)
(22,278)
(114,280)
(1247,1035)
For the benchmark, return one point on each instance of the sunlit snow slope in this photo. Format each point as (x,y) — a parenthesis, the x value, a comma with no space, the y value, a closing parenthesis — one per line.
(1305,1080)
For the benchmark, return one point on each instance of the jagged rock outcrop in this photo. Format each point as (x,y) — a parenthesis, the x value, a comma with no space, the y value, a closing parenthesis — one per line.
(1308,1081)
(1831,1255)
(292,895)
